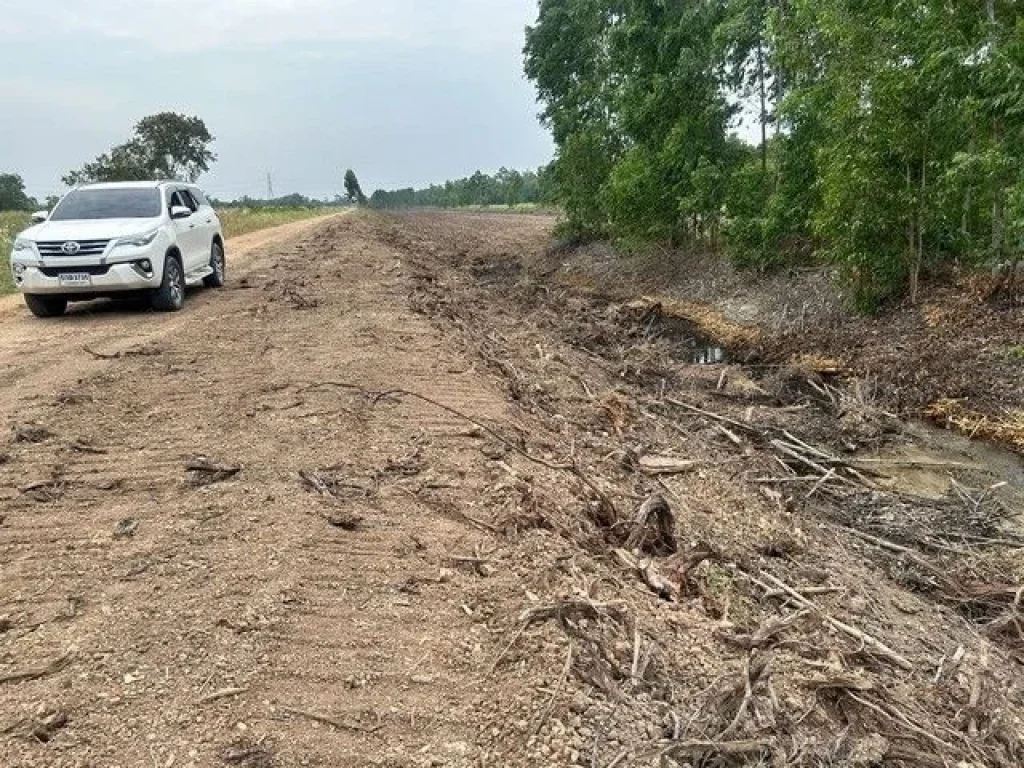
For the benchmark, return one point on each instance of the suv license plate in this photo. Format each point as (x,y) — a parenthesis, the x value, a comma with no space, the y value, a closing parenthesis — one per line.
(74,279)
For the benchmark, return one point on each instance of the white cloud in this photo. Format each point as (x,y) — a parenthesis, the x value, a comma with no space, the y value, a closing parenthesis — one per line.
(192,25)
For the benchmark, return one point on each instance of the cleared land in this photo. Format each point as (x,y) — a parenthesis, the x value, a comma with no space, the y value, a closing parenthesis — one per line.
(398,497)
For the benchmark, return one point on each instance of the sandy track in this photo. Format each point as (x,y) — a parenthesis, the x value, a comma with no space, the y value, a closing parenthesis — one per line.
(37,355)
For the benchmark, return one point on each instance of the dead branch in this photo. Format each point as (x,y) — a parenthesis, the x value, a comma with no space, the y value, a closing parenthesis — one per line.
(556,692)
(506,649)
(889,712)
(874,643)
(203,471)
(649,574)
(714,416)
(325,720)
(911,554)
(573,607)
(660,541)
(664,465)
(767,632)
(83,447)
(315,482)
(748,696)
(34,673)
(223,693)
(133,352)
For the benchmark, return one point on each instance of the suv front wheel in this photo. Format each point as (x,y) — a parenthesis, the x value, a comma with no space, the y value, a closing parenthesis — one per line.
(46,306)
(170,296)
(216,278)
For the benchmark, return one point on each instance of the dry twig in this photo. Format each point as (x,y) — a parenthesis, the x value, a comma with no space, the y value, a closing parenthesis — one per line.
(34,673)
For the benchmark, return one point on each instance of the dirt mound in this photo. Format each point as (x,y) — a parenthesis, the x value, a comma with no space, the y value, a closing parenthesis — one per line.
(800,620)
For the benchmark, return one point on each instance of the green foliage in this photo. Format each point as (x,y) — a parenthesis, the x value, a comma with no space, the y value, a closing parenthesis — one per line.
(897,129)
(162,146)
(294,200)
(12,193)
(507,188)
(240,220)
(11,223)
(353,192)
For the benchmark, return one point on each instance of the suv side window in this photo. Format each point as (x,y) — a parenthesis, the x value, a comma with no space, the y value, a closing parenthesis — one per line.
(200,198)
(188,200)
(175,201)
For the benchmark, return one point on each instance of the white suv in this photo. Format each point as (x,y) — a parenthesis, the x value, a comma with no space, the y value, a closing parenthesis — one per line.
(118,240)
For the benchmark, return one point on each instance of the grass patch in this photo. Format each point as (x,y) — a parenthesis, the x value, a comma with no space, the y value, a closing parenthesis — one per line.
(240,221)
(517,208)
(11,223)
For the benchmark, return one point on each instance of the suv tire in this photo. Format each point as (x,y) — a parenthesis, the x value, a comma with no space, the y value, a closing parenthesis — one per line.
(46,306)
(170,296)
(216,280)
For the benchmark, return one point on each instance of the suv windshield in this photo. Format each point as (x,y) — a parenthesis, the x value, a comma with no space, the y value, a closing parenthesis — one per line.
(108,204)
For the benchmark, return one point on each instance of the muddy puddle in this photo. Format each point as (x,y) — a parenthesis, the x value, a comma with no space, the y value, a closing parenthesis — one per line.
(927,460)
(704,353)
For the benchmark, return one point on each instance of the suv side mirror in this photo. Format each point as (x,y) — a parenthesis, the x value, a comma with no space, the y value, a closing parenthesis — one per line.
(180,212)
(40,216)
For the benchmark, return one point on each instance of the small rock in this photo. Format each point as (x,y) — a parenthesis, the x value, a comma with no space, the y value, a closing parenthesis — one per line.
(31,433)
(869,751)
(459,748)
(126,527)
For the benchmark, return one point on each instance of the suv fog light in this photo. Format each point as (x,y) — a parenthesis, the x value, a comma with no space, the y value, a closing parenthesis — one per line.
(144,267)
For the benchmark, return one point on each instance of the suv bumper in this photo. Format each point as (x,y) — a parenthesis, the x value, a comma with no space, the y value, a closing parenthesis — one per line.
(108,278)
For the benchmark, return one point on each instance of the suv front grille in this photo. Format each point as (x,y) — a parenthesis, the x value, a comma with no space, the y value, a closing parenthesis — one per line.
(85,248)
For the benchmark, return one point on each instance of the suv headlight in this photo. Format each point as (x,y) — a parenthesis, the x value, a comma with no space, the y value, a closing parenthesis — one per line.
(139,241)
(22,245)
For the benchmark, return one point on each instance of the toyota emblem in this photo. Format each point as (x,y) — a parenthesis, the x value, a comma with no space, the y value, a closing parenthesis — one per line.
(71,248)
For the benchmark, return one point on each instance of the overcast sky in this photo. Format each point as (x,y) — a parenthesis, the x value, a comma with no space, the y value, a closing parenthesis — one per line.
(404,91)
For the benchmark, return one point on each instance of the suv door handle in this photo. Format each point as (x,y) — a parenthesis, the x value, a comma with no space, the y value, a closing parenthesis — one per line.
(209,221)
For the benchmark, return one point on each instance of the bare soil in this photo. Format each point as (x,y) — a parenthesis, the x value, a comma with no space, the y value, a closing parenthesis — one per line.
(390,499)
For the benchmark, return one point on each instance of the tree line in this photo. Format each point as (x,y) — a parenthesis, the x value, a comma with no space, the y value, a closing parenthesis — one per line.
(166,145)
(891,132)
(13,196)
(506,187)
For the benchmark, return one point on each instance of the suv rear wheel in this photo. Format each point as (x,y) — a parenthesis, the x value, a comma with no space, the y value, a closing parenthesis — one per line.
(216,279)
(170,296)
(46,306)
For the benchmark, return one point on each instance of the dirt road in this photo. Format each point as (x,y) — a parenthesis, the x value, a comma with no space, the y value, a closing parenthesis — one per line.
(375,503)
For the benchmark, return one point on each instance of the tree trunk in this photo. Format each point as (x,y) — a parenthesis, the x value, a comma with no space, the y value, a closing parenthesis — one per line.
(912,213)
(998,188)
(761,86)
(915,271)
(965,217)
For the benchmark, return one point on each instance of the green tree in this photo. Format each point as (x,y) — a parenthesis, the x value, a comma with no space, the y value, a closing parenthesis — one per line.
(353,192)
(12,193)
(163,146)
(898,129)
